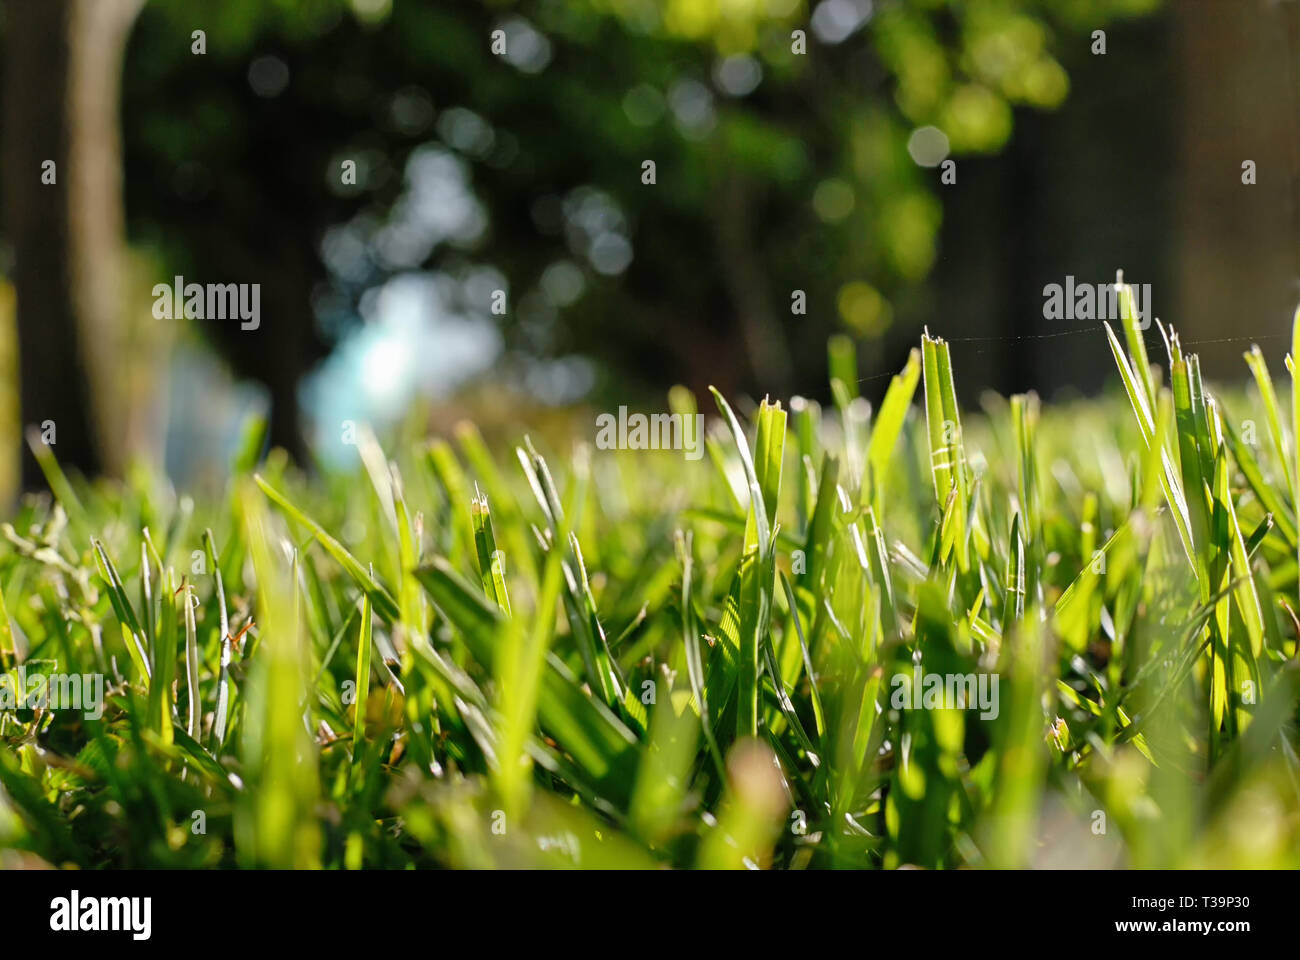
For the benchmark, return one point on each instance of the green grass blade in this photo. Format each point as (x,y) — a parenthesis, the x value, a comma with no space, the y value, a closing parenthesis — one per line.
(364,644)
(491,561)
(384,604)
(132,634)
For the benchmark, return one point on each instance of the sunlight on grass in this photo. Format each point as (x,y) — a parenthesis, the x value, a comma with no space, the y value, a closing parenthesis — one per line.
(605,658)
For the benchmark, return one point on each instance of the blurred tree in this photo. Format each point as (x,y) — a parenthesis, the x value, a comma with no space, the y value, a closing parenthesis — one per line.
(783,137)
(795,149)
(63,219)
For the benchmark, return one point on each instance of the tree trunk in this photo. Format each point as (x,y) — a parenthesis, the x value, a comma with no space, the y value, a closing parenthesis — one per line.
(118,364)
(61,75)
(1237,242)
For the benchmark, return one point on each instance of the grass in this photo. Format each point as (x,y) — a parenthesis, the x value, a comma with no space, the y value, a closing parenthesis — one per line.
(631,659)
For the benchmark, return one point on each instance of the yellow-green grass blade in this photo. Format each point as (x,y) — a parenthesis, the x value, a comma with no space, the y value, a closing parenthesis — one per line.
(941,471)
(691,643)
(222,709)
(1277,433)
(1246,595)
(878,559)
(1142,410)
(757,568)
(595,737)
(821,527)
(819,715)
(888,426)
(276,825)
(456,488)
(1024,420)
(520,668)
(579,591)
(1190,443)
(419,700)
(759,514)
(1020,751)
(664,775)
(132,634)
(491,562)
(806,415)
(579,604)
(194,699)
(786,705)
(1136,343)
(147,620)
(1013,609)
(510,521)
(1244,456)
(947,446)
(58,482)
(413,609)
(362,681)
(385,606)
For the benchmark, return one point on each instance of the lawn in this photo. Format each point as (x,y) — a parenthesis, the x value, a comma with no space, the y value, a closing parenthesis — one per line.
(1022,635)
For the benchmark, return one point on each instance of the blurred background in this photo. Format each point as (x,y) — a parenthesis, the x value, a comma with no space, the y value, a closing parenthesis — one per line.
(801,188)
